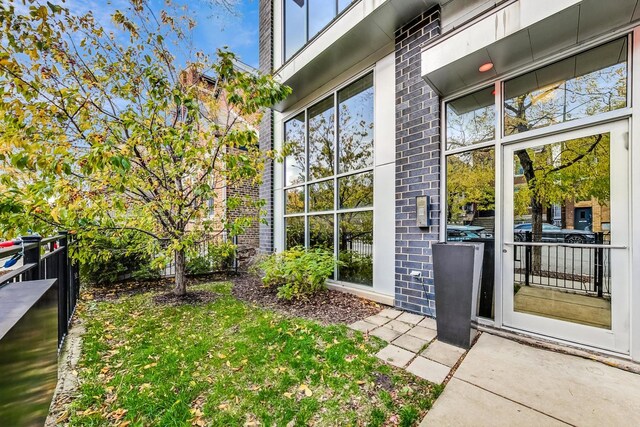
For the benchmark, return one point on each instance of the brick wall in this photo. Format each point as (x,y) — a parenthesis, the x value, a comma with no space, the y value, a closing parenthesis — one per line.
(417,165)
(265,54)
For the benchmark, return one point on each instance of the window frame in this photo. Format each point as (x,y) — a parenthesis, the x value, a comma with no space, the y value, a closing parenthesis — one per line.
(308,37)
(501,140)
(335,177)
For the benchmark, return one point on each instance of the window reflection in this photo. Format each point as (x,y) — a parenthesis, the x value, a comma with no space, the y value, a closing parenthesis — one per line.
(321,12)
(295,29)
(584,85)
(355,125)
(321,139)
(294,200)
(294,231)
(321,196)
(356,191)
(294,164)
(471,119)
(342,4)
(558,187)
(356,247)
(471,195)
(321,232)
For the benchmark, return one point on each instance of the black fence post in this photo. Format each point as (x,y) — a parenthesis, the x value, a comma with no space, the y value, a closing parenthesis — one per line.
(527,258)
(32,255)
(235,253)
(63,287)
(599,263)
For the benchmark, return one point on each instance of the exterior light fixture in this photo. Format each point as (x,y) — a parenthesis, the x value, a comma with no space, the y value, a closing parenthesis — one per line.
(485,67)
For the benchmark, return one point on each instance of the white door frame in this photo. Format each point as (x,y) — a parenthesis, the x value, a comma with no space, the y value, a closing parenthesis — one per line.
(616,339)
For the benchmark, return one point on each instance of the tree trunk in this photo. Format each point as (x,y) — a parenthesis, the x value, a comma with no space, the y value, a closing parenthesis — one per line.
(180,282)
(536,230)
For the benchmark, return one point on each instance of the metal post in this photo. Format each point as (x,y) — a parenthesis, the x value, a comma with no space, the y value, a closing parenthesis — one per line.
(63,287)
(527,258)
(599,259)
(32,255)
(235,254)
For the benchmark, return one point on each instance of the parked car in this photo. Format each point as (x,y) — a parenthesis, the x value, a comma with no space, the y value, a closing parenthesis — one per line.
(554,234)
(458,233)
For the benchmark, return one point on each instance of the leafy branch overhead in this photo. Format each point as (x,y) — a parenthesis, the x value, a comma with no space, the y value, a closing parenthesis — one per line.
(103,127)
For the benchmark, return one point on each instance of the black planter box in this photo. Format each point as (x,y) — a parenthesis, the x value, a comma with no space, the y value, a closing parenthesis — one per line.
(456,275)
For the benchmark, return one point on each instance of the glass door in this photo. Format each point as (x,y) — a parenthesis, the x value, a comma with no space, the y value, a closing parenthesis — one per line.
(566,231)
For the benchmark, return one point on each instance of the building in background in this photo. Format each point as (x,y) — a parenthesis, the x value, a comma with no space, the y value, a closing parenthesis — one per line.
(515,118)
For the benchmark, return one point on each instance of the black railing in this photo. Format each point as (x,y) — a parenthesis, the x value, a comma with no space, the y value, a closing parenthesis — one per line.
(576,264)
(202,249)
(48,259)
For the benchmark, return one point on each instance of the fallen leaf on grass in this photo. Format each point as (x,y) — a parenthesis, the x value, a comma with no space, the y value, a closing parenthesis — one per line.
(305,389)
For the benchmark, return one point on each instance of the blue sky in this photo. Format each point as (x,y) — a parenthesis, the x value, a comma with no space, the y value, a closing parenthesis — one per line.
(217,27)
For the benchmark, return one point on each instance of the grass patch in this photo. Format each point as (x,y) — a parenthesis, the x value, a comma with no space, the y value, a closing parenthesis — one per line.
(227,363)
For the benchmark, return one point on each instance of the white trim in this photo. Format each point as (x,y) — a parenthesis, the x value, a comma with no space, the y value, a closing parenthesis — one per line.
(634,155)
(361,291)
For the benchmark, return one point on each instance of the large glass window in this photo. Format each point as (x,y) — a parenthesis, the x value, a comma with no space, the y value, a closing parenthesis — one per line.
(339,200)
(587,84)
(321,139)
(355,120)
(303,19)
(471,119)
(294,141)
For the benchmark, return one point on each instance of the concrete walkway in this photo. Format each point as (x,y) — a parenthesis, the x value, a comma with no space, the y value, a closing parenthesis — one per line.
(501,382)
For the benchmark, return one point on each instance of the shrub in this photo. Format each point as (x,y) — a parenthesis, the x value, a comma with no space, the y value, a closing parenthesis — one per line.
(298,273)
(219,257)
(114,256)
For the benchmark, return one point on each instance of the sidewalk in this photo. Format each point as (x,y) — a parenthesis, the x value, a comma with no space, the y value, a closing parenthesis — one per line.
(502,382)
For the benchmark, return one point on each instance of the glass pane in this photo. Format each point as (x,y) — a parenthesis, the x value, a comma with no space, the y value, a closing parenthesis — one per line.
(355,125)
(321,117)
(294,231)
(471,195)
(295,29)
(321,12)
(321,196)
(294,200)
(471,119)
(342,4)
(584,85)
(321,232)
(356,191)
(294,164)
(562,195)
(356,247)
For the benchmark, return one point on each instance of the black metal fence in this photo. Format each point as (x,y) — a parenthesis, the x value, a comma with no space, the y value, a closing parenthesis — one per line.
(203,248)
(48,259)
(580,268)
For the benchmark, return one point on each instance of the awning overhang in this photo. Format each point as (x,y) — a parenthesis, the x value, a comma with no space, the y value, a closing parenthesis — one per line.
(518,35)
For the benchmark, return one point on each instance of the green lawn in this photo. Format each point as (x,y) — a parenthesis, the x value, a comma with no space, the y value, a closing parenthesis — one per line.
(227,363)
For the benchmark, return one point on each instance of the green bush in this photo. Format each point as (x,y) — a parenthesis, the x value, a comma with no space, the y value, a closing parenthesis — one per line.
(298,273)
(219,257)
(112,257)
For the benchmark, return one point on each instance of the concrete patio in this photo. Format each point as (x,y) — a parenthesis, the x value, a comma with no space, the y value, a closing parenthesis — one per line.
(502,382)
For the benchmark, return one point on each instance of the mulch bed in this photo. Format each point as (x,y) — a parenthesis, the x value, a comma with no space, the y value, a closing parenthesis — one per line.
(191,298)
(326,307)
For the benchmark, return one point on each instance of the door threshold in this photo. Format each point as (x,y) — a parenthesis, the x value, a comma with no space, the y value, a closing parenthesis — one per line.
(615,360)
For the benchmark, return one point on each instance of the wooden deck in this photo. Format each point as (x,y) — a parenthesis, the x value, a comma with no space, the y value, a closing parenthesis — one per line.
(557,304)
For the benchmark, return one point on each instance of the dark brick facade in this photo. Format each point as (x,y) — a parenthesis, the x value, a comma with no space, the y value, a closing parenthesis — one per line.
(265,49)
(417,165)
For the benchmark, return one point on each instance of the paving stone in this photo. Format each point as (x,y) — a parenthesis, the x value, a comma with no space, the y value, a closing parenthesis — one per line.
(390,313)
(395,356)
(410,343)
(428,322)
(411,318)
(422,333)
(377,320)
(399,326)
(444,353)
(429,370)
(362,326)
(385,333)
